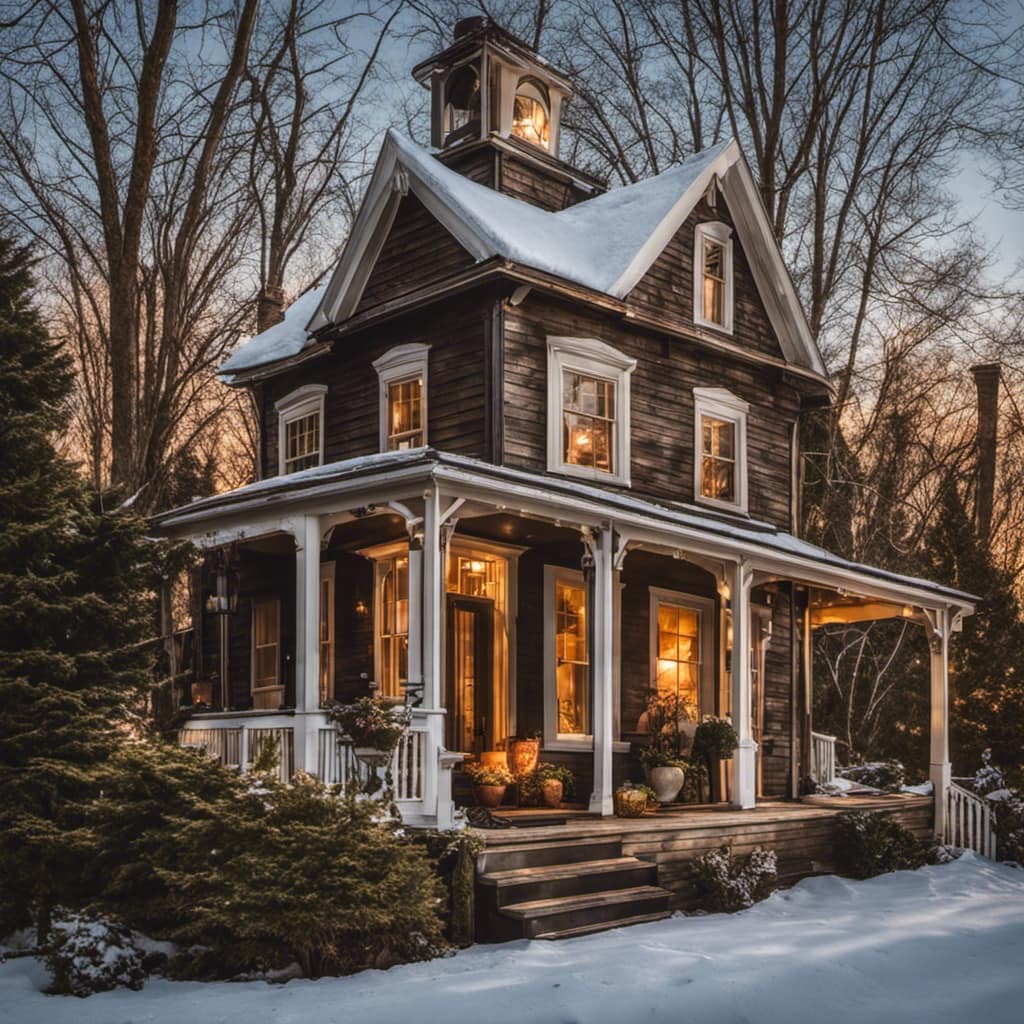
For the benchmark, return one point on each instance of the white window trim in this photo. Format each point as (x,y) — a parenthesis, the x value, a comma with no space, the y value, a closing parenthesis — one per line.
(397,365)
(328,574)
(705,609)
(595,359)
(723,405)
(718,232)
(299,403)
(279,685)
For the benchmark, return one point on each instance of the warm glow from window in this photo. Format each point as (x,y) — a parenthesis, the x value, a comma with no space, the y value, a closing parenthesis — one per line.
(714,281)
(405,414)
(326,634)
(678,655)
(473,576)
(302,442)
(394,625)
(718,459)
(266,654)
(530,120)
(588,418)
(572,670)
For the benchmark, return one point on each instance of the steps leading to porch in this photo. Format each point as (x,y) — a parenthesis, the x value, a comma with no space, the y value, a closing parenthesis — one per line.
(557,890)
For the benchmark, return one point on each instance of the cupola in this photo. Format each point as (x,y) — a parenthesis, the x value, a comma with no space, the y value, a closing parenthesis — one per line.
(490,84)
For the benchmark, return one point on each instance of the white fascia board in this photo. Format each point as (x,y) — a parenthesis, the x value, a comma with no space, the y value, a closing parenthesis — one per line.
(771,275)
(672,222)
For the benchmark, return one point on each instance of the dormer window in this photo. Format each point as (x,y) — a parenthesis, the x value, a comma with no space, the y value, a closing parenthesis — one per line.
(720,456)
(712,276)
(588,410)
(530,119)
(300,429)
(403,397)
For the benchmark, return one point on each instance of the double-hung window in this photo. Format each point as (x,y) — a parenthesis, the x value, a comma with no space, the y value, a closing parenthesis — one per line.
(402,373)
(300,418)
(713,276)
(567,704)
(588,409)
(682,646)
(392,624)
(267,691)
(720,448)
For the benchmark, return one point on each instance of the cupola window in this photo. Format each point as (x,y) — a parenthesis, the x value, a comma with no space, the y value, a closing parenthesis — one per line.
(530,120)
(462,104)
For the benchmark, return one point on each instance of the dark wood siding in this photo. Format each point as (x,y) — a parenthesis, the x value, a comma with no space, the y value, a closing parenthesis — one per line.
(666,290)
(775,740)
(418,251)
(661,392)
(456,384)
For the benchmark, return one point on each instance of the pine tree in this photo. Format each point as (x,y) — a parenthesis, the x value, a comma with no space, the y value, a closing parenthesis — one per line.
(76,610)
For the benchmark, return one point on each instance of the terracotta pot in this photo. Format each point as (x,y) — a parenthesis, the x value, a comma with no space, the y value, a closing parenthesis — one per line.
(666,782)
(551,791)
(494,759)
(489,796)
(630,803)
(525,755)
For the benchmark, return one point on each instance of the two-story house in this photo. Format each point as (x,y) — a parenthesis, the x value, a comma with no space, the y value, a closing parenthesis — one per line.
(530,457)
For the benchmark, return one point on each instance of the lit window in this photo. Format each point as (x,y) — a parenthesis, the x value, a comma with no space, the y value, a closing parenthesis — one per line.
(530,119)
(393,625)
(588,409)
(588,418)
(677,665)
(712,276)
(572,667)
(720,456)
(326,632)
(405,414)
(267,691)
(402,372)
(301,429)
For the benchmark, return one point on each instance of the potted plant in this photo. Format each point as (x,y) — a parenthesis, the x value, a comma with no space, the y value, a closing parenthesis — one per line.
(374,725)
(665,773)
(663,758)
(630,800)
(489,783)
(715,740)
(554,782)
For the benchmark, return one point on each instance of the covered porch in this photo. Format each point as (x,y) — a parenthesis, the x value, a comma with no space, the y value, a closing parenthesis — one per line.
(436,578)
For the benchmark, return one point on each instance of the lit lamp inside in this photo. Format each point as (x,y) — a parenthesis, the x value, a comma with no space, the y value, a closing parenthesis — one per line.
(224,599)
(530,116)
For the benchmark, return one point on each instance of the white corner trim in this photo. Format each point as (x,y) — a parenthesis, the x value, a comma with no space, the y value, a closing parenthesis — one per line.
(718,232)
(707,653)
(721,404)
(296,404)
(595,359)
(401,363)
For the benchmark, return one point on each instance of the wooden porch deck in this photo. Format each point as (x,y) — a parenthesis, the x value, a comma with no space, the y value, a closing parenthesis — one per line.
(554,862)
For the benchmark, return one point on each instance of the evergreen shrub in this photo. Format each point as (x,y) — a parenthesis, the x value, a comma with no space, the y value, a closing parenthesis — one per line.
(870,843)
(727,883)
(88,954)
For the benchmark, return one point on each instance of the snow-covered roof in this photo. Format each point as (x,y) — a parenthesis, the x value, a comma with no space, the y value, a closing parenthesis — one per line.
(606,243)
(282,341)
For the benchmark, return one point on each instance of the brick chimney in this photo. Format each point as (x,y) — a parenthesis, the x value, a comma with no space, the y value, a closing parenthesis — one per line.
(269,308)
(986,380)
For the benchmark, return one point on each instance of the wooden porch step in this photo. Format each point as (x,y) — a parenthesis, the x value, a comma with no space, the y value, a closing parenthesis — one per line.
(603,926)
(542,917)
(513,856)
(553,880)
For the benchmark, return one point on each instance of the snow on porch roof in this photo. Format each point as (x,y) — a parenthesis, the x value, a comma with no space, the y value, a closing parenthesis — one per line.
(606,243)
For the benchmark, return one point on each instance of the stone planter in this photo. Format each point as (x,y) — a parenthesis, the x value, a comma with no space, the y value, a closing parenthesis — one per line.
(489,796)
(372,756)
(666,782)
(551,792)
(524,755)
(630,803)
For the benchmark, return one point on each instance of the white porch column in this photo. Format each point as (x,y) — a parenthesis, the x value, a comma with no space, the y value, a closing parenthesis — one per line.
(430,619)
(599,548)
(307,639)
(940,770)
(744,763)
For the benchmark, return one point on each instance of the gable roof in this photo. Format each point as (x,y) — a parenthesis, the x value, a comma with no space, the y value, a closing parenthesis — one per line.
(605,244)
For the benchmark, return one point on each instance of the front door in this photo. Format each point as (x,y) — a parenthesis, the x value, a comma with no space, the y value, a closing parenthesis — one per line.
(469,691)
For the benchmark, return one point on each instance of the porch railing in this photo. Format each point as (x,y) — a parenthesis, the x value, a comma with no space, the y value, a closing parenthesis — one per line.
(969,822)
(336,762)
(284,740)
(223,744)
(823,757)
(238,746)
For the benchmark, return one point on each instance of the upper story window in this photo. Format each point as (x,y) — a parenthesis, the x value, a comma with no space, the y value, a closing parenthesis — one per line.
(720,456)
(530,120)
(300,431)
(403,397)
(588,409)
(712,276)
(462,104)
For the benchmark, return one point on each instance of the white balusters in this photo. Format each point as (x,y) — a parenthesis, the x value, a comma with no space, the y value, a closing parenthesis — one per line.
(823,757)
(969,822)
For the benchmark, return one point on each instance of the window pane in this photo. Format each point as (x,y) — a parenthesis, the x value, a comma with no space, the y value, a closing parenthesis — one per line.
(530,121)
(405,414)
(588,417)
(677,670)
(714,282)
(572,672)
(302,442)
(718,465)
(393,588)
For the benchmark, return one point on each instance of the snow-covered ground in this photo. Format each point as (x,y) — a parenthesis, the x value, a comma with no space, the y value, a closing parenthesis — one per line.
(944,944)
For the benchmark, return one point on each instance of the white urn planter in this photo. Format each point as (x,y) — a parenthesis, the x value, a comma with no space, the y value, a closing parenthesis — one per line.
(666,782)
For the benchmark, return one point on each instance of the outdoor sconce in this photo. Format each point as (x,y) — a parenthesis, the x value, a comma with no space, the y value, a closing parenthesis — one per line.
(360,608)
(224,599)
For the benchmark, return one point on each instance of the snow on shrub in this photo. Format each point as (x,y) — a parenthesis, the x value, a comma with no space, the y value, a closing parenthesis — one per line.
(727,883)
(91,954)
(988,778)
(887,776)
(869,844)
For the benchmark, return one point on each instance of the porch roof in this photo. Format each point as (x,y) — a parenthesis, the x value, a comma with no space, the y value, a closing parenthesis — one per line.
(691,528)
